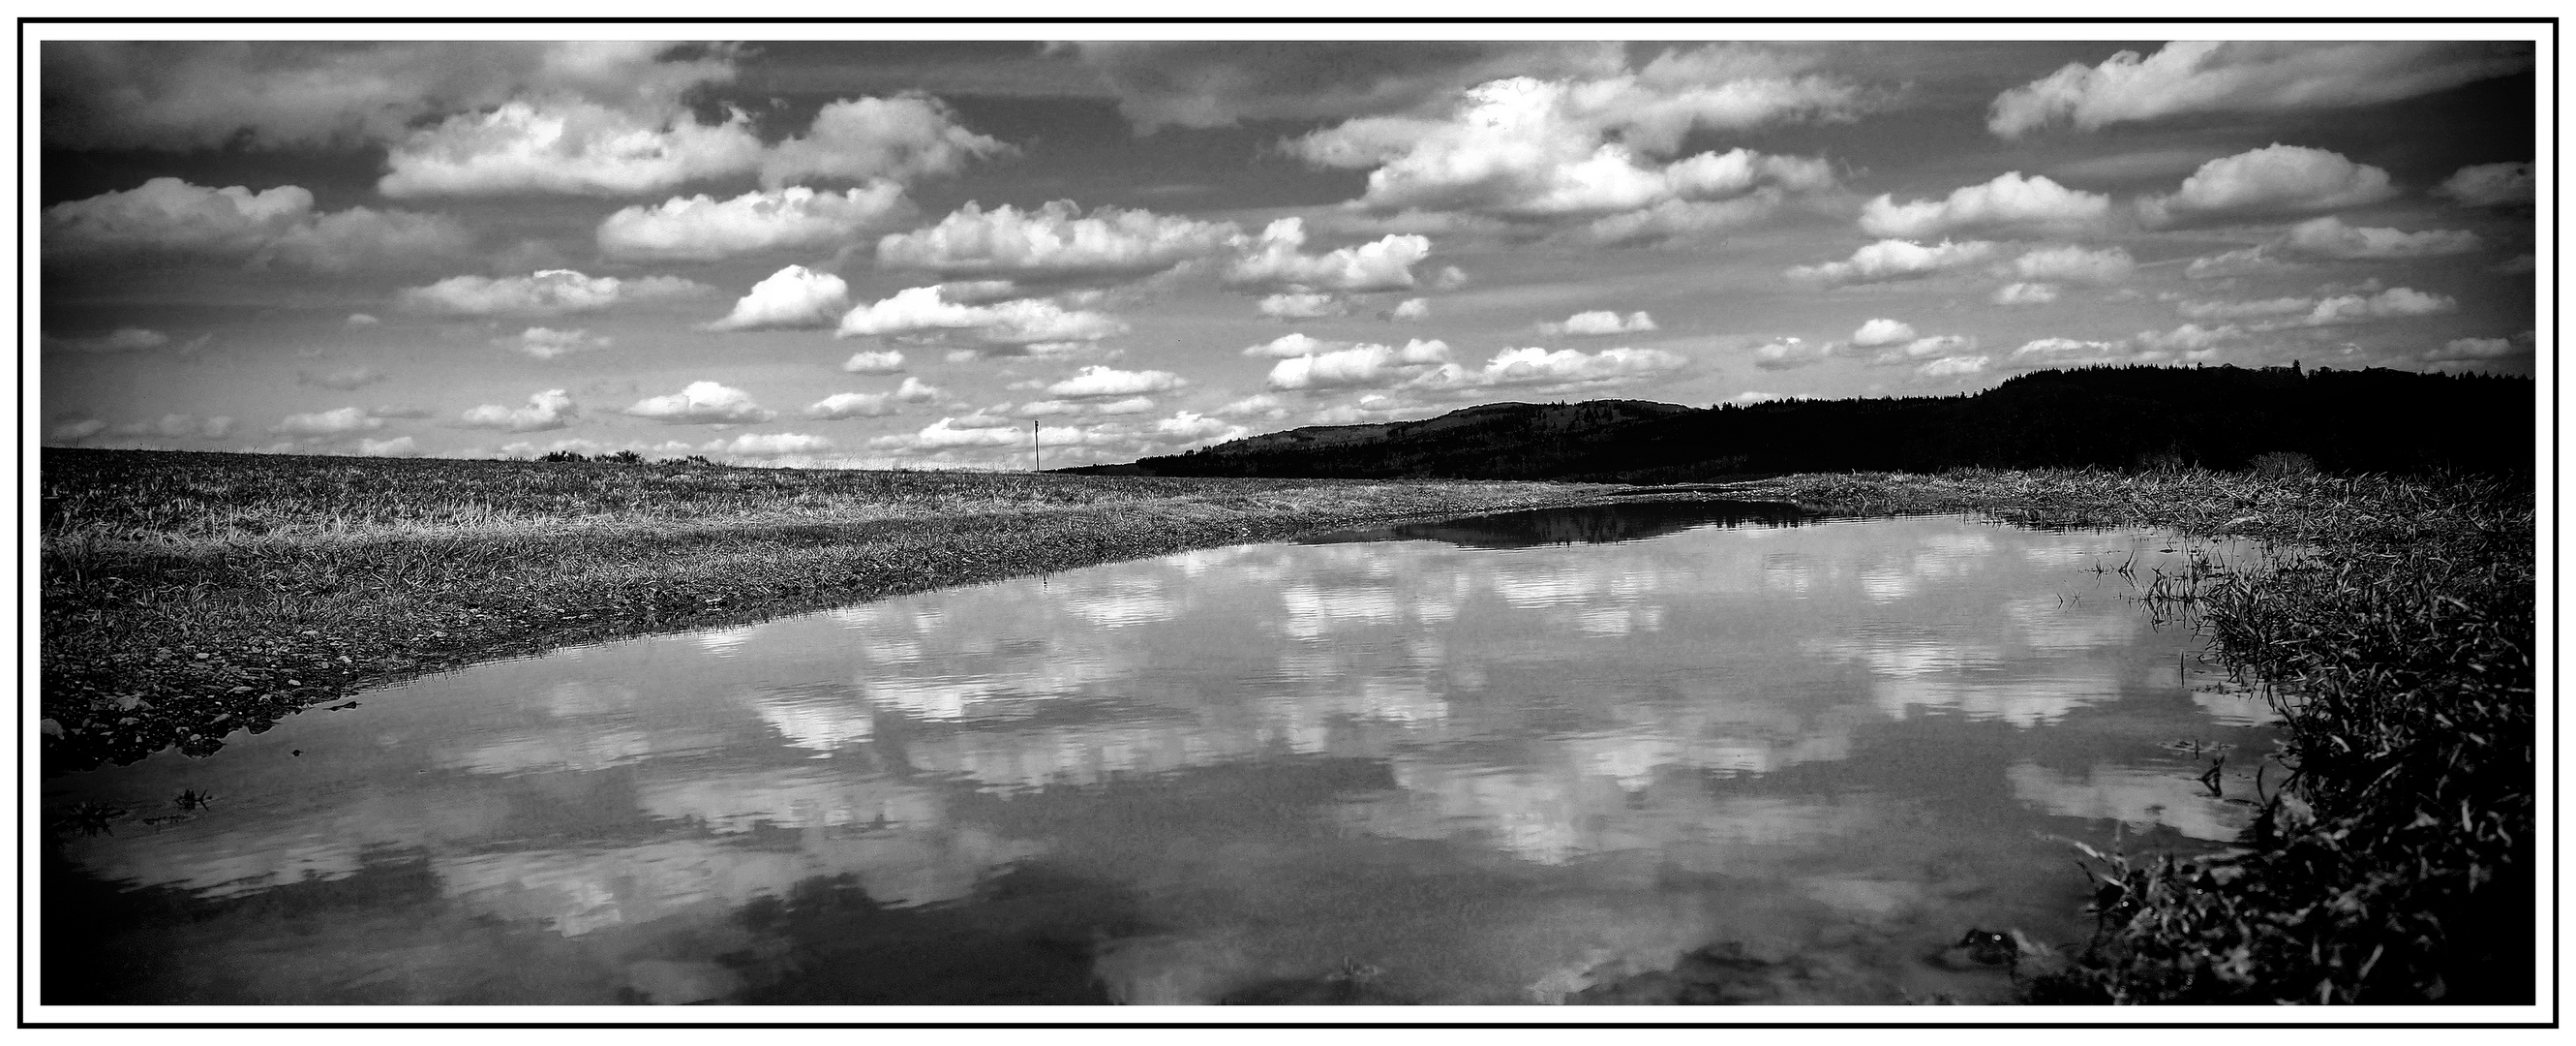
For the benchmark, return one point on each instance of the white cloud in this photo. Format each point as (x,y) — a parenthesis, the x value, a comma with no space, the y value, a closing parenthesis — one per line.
(1410,310)
(1098,382)
(1679,222)
(2232,310)
(702,403)
(2480,353)
(1055,239)
(344,379)
(793,298)
(1954,366)
(1291,345)
(1274,260)
(339,421)
(2275,179)
(858,139)
(2260,260)
(122,339)
(1302,305)
(915,390)
(551,409)
(1789,353)
(75,431)
(770,444)
(2010,202)
(546,343)
(397,447)
(1261,405)
(887,361)
(2194,77)
(2489,185)
(2025,294)
(851,405)
(1600,321)
(171,217)
(2391,303)
(179,426)
(360,319)
(548,292)
(2329,237)
(1879,332)
(2070,263)
(1359,366)
(2055,347)
(1563,368)
(1896,260)
(703,228)
(1020,321)
(947,434)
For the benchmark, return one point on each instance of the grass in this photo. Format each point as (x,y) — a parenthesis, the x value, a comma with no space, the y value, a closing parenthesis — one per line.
(2395,866)
(185,596)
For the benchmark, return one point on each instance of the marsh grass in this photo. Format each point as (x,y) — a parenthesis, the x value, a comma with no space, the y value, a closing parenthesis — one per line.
(2395,866)
(186,596)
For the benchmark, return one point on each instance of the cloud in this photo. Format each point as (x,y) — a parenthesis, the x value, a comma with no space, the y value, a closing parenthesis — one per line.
(548,292)
(590,149)
(2275,179)
(551,409)
(1260,405)
(343,380)
(1201,84)
(178,426)
(2329,237)
(2010,202)
(2259,260)
(1292,345)
(2392,303)
(1678,222)
(1056,240)
(1560,369)
(1359,366)
(793,298)
(2189,343)
(75,431)
(702,228)
(267,95)
(702,403)
(1022,321)
(122,339)
(2025,294)
(2236,310)
(1097,381)
(1274,260)
(2257,77)
(1532,148)
(947,434)
(1879,332)
(360,319)
(339,421)
(1896,260)
(546,343)
(1954,366)
(771,444)
(397,447)
(1302,305)
(851,405)
(2489,185)
(2461,354)
(886,361)
(1601,321)
(1789,354)
(2075,264)
(915,390)
(1410,310)
(172,218)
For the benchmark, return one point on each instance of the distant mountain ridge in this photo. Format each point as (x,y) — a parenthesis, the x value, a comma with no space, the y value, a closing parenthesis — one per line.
(2105,417)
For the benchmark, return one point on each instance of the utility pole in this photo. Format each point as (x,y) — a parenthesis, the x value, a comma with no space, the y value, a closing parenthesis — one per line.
(1034,453)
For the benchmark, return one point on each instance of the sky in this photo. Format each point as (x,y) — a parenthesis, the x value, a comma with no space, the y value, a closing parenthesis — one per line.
(879,254)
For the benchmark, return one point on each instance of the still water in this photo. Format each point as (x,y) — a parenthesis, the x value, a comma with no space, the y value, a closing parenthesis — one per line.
(1486,762)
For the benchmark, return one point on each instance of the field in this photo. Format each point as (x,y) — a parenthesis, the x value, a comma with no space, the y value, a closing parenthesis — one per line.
(186,596)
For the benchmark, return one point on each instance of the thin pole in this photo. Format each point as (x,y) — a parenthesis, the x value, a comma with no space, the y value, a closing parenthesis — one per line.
(1033,446)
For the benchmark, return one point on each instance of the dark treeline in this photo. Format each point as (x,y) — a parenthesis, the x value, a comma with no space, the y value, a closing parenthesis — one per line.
(2281,418)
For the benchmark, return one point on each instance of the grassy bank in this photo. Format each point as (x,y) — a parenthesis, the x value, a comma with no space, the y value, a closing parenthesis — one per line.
(187,596)
(2396,866)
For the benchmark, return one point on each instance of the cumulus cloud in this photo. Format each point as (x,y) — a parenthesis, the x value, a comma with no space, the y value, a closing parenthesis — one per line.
(122,339)
(2237,310)
(2075,264)
(1789,353)
(1680,222)
(703,228)
(702,403)
(1598,322)
(1410,310)
(397,447)
(587,148)
(2259,260)
(2329,237)
(792,298)
(2267,76)
(1357,366)
(546,343)
(886,361)
(344,379)
(1097,382)
(2025,294)
(851,405)
(1022,321)
(2489,185)
(1291,345)
(1056,239)
(2461,354)
(178,426)
(551,409)
(1558,370)
(1203,84)
(548,292)
(1274,259)
(771,444)
(948,434)
(1302,305)
(1954,366)
(2189,343)
(360,319)
(1879,332)
(2392,303)
(915,390)
(1260,405)
(2010,202)
(1896,260)
(172,218)
(339,421)
(2275,179)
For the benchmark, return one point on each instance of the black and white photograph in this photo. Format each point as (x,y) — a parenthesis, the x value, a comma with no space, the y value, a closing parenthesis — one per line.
(1381,523)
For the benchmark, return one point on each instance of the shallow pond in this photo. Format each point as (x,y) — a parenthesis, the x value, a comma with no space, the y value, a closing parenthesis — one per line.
(1493,761)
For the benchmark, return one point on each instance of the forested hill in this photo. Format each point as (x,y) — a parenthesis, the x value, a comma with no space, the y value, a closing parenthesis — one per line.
(2105,417)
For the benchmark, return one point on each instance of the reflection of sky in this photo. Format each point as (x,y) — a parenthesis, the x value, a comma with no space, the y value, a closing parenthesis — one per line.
(1552,708)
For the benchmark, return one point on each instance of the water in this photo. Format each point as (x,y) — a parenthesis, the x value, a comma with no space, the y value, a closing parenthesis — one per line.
(1495,761)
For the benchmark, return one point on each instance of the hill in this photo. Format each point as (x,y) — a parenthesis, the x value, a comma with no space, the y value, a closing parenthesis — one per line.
(2104,417)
